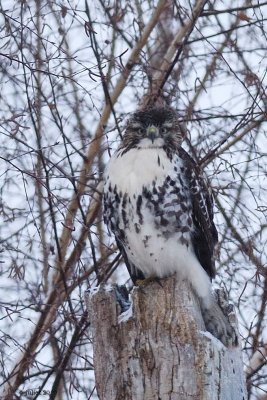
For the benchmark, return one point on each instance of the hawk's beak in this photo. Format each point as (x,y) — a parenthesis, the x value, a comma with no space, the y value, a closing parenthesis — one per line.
(152,132)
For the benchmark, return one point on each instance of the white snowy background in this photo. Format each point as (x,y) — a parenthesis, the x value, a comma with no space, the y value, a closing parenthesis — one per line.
(52,97)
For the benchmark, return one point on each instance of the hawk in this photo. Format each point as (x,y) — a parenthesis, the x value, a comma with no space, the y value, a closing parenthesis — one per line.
(159,206)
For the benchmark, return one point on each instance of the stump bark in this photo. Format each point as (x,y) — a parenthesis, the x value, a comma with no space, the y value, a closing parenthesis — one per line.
(159,349)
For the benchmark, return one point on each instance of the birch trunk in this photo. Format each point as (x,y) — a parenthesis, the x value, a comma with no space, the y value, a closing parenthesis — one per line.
(158,349)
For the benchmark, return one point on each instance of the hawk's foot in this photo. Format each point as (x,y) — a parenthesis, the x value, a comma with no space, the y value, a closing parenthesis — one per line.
(219,319)
(122,297)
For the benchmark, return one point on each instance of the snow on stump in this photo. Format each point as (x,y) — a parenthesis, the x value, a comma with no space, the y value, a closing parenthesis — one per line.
(158,349)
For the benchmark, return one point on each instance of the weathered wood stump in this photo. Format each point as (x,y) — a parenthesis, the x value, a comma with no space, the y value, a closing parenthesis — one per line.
(159,349)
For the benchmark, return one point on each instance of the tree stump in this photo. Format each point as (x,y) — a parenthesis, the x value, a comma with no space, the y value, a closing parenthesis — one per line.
(159,349)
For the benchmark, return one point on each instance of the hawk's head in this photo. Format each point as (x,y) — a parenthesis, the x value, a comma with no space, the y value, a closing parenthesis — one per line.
(153,128)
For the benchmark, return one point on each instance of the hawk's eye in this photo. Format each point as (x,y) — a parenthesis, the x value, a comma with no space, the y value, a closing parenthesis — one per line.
(136,127)
(166,127)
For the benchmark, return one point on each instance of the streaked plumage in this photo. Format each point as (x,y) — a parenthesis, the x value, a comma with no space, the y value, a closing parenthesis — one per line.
(159,207)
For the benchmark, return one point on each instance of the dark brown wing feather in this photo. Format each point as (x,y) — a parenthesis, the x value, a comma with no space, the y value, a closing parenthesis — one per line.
(205,236)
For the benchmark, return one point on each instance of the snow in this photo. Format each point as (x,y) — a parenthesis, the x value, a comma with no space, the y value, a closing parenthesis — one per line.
(216,342)
(90,292)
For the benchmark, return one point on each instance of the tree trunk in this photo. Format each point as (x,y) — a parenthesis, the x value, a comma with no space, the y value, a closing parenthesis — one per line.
(158,349)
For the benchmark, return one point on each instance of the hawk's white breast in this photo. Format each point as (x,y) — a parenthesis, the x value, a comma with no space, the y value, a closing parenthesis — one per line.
(138,168)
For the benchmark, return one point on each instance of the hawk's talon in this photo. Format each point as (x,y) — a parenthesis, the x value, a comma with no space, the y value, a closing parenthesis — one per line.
(122,297)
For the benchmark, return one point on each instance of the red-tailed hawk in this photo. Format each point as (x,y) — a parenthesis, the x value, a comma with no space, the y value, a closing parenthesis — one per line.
(159,207)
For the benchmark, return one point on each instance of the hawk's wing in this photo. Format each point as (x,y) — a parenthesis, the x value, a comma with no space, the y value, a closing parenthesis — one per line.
(204,236)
